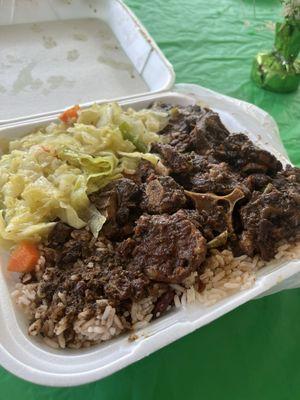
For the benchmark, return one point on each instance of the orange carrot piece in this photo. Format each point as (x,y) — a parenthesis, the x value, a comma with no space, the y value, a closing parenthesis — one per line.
(23,258)
(69,115)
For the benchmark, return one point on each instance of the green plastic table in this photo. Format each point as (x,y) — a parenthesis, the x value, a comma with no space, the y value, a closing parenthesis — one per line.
(254,351)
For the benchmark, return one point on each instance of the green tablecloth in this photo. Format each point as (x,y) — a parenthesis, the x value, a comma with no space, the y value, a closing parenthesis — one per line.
(253,352)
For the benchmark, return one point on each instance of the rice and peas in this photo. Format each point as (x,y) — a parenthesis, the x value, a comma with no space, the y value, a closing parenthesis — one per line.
(223,276)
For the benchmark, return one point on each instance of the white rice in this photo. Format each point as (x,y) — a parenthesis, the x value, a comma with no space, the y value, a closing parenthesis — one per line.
(225,274)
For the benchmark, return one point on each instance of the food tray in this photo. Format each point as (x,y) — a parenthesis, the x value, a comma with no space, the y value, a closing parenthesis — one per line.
(31,359)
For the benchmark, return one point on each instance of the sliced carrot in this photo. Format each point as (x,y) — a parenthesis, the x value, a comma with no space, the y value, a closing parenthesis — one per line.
(23,258)
(69,115)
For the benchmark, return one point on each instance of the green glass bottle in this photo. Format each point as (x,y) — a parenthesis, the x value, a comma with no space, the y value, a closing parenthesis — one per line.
(279,70)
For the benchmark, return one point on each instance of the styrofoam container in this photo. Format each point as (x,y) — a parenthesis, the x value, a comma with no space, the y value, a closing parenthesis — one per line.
(29,358)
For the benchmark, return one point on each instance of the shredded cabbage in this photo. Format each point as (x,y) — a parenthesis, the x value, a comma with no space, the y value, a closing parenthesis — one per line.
(49,174)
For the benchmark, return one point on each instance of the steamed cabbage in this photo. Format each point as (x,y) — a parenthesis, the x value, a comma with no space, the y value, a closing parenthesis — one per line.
(49,174)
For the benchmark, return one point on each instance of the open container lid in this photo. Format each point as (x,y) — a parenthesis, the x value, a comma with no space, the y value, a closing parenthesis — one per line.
(56,53)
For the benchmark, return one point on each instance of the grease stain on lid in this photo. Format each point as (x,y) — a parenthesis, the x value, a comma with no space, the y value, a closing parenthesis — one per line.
(56,81)
(49,42)
(25,79)
(72,55)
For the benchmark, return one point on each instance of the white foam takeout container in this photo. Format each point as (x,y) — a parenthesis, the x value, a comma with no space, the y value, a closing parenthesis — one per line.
(27,357)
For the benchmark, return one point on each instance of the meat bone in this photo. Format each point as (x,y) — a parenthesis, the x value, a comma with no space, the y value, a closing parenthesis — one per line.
(206,201)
